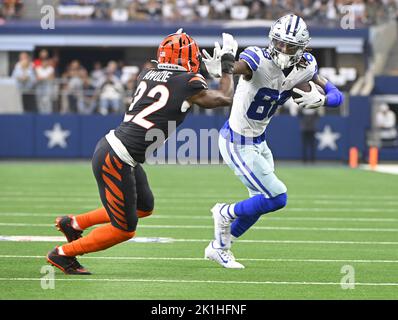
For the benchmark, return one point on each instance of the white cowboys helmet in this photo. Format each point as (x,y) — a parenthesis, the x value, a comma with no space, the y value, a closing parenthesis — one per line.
(289,37)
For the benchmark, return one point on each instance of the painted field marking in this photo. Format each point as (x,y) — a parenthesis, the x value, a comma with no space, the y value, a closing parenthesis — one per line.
(208,217)
(226,282)
(61,239)
(148,226)
(179,209)
(176,200)
(202,259)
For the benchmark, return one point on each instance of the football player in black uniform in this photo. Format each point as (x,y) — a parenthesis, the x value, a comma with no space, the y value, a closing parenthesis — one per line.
(163,94)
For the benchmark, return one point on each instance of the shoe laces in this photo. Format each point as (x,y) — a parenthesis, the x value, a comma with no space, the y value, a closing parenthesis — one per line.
(227,255)
(75,264)
(231,255)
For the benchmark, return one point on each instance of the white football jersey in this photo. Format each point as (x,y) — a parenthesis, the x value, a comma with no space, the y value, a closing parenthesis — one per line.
(256,100)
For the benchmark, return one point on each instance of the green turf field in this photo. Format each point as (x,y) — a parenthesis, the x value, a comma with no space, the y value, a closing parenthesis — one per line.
(335,217)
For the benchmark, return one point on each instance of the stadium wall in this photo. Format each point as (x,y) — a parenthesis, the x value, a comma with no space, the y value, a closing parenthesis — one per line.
(30,135)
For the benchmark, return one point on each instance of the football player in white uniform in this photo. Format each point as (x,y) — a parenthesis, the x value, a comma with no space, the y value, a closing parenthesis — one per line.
(268,76)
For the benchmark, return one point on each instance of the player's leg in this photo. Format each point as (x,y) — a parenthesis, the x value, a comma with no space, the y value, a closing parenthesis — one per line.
(267,192)
(72,226)
(218,250)
(117,190)
(253,164)
(145,199)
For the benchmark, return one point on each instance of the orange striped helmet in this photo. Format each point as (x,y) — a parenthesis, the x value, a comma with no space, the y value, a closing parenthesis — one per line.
(181,50)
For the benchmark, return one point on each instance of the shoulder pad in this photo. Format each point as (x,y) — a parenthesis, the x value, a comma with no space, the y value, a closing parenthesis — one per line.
(309,63)
(252,56)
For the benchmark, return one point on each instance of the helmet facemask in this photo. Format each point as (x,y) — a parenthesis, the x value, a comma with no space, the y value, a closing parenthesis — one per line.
(285,54)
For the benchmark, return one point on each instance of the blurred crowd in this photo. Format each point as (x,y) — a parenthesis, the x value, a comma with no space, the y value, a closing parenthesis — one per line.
(321,11)
(104,89)
(10,9)
(366,11)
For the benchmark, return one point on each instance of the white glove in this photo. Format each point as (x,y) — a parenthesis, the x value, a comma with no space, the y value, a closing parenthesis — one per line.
(213,63)
(310,100)
(229,44)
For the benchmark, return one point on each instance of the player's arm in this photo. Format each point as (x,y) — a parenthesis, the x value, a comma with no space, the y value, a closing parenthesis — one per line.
(333,96)
(313,99)
(223,59)
(216,98)
(249,62)
(242,68)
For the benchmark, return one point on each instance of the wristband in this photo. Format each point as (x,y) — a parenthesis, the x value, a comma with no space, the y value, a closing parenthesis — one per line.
(227,63)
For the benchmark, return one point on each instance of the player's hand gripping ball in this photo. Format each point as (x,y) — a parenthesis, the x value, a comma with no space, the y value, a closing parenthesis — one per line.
(309,95)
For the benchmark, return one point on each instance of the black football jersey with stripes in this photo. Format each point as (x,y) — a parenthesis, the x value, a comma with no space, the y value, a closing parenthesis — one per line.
(158,99)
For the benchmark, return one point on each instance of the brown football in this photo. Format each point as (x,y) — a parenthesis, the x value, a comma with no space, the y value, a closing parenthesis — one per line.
(306,87)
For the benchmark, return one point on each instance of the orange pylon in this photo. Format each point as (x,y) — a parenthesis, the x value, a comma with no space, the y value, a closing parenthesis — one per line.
(373,157)
(353,157)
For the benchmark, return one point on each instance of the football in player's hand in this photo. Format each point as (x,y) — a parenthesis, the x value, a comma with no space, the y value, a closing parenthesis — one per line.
(306,87)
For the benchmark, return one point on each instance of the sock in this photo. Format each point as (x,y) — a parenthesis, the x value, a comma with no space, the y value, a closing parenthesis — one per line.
(98,216)
(100,238)
(242,224)
(250,210)
(86,220)
(259,205)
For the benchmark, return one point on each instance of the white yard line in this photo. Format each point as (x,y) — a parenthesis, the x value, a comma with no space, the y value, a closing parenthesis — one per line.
(148,226)
(225,282)
(208,217)
(93,205)
(168,240)
(178,200)
(320,209)
(219,196)
(202,259)
(338,242)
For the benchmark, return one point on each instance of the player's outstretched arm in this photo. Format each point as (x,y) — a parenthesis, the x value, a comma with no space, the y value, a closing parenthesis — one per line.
(223,59)
(216,98)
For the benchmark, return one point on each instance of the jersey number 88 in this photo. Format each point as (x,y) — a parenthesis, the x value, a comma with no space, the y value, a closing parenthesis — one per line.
(265,104)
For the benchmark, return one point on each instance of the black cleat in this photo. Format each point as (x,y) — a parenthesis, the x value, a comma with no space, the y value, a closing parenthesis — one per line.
(64,224)
(68,265)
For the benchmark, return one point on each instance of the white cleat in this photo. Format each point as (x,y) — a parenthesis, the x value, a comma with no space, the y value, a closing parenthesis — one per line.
(222,225)
(224,257)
